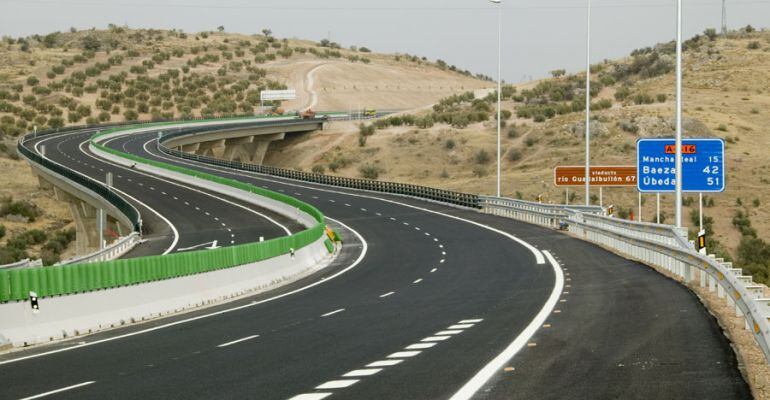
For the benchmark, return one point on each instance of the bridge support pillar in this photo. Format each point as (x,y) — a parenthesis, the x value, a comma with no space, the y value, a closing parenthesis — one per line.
(86,222)
(191,148)
(251,149)
(209,148)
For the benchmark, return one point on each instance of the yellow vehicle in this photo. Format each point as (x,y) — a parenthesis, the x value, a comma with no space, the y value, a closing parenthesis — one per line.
(370,112)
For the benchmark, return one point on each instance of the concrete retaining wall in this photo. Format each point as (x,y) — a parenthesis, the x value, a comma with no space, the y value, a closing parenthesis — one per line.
(73,315)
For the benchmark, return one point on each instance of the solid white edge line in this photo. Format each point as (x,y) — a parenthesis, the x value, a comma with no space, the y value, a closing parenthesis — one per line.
(537,253)
(238,341)
(37,396)
(474,385)
(166,220)
(364,249)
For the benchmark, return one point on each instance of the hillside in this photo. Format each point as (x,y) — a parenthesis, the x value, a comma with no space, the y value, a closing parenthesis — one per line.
(119,74)
(726,94)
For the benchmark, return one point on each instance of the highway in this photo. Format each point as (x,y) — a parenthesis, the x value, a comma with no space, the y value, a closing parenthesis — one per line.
(425,302)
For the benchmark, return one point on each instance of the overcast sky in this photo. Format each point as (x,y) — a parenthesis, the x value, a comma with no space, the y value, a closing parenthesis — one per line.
(538,35)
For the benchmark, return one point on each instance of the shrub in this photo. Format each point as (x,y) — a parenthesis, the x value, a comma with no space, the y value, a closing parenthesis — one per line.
(513,132)
(22,208)
(369,171)
(479,171)
(514,155)
(32,80)
(130,115)
(662,98)
(482,157)
(2,231)
(319,169)
(449,144)
(753,45)
(530,141)
(722,127)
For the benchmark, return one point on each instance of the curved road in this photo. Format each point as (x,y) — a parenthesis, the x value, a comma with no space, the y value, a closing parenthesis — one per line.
(422,299)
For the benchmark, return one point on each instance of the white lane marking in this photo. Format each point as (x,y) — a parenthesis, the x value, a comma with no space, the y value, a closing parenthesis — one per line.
(315,197)
(362,372)
(197,208)
(378,214)
(333,312)
(418,346)
(241,206)
(152,188)
(443,253)
(433,270)
(417,228)
(470,388)
(384,363)
(442,261)
(406,223)
(347,205)
(461,326)
(427,234)
(471,321)
(224,224)
(297,194)
(392,219)
(441,245)
(386,294)
(37,396)
(405,354)
(331,201)
(176,198)
(311,396)
(363,209)
(238,341)
(207,213)
(435,338)
(186,203)
(216,218)
(339,384)
(364,250)
(417,280)
(173,228)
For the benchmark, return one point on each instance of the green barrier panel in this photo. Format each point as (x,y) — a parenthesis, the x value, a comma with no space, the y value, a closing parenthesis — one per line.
(329,245)
(69,279)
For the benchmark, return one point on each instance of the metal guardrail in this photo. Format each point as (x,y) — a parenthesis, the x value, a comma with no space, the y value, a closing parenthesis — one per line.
(25,263)
(663,246)
(422,192)
(111,252)
(89,183)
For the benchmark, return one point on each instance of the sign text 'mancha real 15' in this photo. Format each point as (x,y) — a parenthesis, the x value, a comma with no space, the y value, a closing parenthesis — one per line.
(703,165)
(601,175)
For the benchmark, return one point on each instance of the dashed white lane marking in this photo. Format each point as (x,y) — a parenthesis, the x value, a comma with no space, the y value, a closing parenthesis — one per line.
(443,253)
(264,186)
(363,209)
(331,201)
(216,218)
(470,321)
(347,205)
(315,197)
(297,194)
(176,198)
(197,208)
(392,219)
(311,396)
(417,228)
(207,213)
(417,346)
(152,188)
(224,224)
(433,270)
(163,193)
(470,388)
(378,214)
(460,326)
(338,384)
(232,242)
(37,396)
(333,312)
(417,280)
(362,372)
(406,223)
(229,230)
(435,338)
(386,294)
(141,184)
(405,354)
(238,341)
(427,234)
(442,261)
(384,363)
(186,203)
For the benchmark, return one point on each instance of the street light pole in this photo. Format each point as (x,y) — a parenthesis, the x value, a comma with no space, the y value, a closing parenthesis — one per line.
(499,84)
(588,107)
(678,142)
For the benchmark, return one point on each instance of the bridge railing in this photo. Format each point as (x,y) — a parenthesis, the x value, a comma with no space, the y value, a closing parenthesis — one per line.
(423,192)
(662,246)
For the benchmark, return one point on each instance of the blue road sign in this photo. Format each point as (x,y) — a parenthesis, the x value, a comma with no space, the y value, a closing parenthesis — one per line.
(703,165)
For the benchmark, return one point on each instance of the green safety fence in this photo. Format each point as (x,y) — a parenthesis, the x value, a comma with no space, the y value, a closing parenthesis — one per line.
(79,278)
